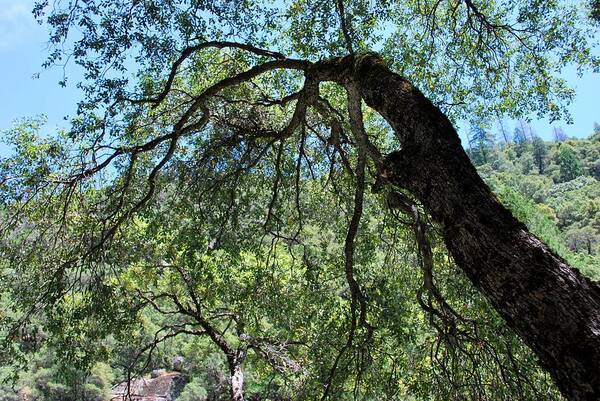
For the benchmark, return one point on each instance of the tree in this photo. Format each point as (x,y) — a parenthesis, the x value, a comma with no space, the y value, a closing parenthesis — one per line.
(595,136)
(45,381)
(520,140)
(540,152)
(582,239)
(504,134)
(570,165)
(481,144)
(526,130)
(210,100)
(559,134)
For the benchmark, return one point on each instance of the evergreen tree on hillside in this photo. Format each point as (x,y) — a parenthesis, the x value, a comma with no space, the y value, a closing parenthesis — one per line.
(540,152)
(520,140)
(570,165)
(481,144)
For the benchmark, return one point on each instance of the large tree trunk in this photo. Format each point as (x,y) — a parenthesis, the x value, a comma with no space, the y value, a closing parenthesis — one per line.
(551,306)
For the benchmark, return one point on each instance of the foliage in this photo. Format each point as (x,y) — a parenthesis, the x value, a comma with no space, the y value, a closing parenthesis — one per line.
(559,203)
(48,381)
(215,202)
(540,152)
(481,144)
(262,286)
(570,166)
(193,391)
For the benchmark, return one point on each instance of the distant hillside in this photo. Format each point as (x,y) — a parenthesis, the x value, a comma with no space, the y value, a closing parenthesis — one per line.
(552,186)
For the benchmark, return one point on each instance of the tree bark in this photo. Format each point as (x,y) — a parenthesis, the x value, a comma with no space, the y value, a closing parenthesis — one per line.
(237,376)
(554,309)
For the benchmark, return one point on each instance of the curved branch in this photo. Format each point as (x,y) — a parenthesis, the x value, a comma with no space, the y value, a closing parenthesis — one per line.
(188,51)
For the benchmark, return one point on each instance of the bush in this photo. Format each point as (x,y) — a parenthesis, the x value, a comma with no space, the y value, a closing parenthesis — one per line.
(193,391)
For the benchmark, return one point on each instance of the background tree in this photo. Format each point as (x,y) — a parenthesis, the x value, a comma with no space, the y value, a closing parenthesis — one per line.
(559,134)
(520,139)
(570,165)
(540,152)
(481,145)
(504,133)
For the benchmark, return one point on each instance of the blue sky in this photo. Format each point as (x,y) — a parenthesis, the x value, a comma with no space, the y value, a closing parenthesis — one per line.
(23,49)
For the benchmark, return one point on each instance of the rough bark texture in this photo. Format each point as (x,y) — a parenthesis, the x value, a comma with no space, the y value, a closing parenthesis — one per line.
(550,305)
(237,377)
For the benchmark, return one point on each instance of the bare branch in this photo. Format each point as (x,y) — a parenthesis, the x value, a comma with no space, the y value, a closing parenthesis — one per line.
(344,25)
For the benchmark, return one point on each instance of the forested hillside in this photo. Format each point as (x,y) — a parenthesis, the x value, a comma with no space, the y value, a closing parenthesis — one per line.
(552,186)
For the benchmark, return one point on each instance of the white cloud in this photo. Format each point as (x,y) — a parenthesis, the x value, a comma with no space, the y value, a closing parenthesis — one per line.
(16,23)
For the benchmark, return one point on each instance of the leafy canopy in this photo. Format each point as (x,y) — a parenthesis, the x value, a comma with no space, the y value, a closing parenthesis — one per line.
(214,185)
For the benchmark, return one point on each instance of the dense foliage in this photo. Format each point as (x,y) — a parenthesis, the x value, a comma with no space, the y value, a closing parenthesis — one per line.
(274,291)
(216,205)
(554,187)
